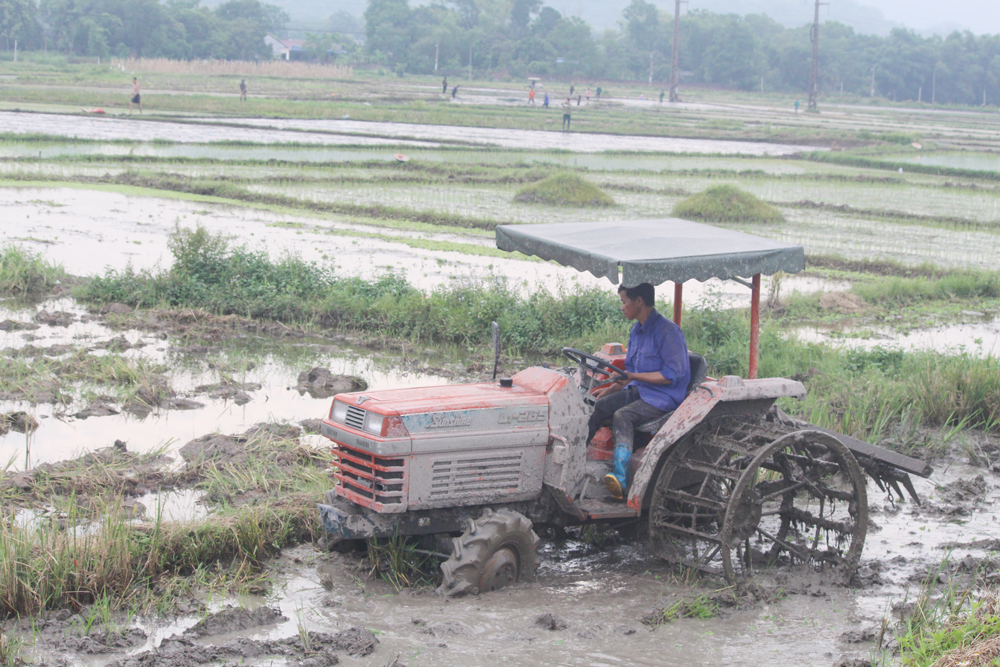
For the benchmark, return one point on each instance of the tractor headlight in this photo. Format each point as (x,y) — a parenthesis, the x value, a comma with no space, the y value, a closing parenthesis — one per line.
(339,412)
(373,423)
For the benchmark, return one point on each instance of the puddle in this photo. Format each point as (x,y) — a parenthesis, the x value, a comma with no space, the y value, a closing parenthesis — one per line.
(974,161)
(979,339)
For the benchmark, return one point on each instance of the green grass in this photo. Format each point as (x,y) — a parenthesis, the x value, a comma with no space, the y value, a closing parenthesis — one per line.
(23,272)
(564,189)
(726,203)
(44,566)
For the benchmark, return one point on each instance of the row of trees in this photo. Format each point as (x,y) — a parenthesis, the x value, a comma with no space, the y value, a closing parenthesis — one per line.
(726,50)
(525,37)
(179,29)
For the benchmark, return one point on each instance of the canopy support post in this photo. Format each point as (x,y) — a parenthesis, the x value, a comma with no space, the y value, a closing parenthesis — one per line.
(754,325)
(678,302)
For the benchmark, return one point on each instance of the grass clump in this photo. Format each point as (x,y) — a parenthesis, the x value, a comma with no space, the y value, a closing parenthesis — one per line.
(726,203)
(564,189)
(211,273)
(44,566)
(23,272)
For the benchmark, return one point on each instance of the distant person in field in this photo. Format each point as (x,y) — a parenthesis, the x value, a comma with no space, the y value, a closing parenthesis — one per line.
(571,89)
(588,93)
(566,115)
(454,92)
(661,97)
(531,95)
(578,98)
(444,86)
(136,98)
(598,92)
(545,103)
(243,90)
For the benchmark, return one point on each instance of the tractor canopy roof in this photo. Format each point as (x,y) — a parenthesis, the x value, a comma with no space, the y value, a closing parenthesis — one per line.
(654,251)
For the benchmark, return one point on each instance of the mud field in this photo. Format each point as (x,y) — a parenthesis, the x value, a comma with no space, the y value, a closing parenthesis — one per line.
(599,598)
(179,425)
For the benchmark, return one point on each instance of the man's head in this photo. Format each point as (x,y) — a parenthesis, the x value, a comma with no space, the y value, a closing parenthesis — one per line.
(637,299)
(134,79)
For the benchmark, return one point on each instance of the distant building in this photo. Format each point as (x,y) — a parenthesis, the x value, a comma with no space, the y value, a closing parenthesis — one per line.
(286,49)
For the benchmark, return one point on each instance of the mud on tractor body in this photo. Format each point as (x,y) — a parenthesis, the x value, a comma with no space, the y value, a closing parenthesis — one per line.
(727,483)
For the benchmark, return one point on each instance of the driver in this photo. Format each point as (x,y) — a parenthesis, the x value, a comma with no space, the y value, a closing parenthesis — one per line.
(658,373)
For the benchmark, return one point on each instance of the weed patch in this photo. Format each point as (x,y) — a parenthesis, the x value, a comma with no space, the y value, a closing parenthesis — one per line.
(23,272)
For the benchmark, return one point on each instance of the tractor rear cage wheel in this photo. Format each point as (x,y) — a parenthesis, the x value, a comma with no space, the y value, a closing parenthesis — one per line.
(738,496)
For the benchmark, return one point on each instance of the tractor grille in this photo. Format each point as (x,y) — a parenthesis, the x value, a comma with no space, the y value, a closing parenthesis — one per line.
(355,417)
(475,475)
(377,479)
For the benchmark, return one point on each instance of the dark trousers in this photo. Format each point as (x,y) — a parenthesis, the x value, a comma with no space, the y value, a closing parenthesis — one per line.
(625,410)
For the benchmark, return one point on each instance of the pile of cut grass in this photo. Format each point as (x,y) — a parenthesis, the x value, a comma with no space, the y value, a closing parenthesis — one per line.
(726,203)
(23,272)
(564,189)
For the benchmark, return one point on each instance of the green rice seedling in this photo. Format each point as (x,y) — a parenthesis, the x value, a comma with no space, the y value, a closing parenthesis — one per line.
(726,203)
(944,626)
(10,651)
(699,606)
(398,561)
(565,189)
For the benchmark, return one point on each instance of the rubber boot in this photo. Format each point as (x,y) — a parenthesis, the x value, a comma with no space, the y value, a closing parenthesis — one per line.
(616,481)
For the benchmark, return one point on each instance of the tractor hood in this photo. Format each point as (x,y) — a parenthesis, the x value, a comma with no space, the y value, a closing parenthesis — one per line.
(456,416)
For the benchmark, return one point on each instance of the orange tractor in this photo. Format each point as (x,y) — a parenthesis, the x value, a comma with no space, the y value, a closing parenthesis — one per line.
(727,483)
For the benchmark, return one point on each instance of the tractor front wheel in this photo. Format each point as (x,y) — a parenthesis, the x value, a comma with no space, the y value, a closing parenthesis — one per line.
(496,550)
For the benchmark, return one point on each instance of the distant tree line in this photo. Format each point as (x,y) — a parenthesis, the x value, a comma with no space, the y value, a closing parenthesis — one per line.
(525,37)
(179,29)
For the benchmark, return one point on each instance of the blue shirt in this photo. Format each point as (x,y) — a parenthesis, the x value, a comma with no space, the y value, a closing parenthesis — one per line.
(658,345)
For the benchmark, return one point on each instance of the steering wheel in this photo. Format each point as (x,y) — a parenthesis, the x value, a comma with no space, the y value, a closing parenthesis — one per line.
(588,362)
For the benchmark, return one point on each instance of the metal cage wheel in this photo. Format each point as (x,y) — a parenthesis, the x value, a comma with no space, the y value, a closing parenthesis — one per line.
(801,499)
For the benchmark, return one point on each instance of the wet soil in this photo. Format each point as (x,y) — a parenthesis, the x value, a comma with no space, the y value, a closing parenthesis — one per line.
(596,601)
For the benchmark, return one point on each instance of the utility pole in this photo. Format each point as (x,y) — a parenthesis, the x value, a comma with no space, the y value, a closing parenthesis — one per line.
(470,62)
(934,86)
(675,54)
(651,68)
(873,81)
(814,70)
(437,51)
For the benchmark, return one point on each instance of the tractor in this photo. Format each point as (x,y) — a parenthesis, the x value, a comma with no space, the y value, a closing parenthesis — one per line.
(727,484)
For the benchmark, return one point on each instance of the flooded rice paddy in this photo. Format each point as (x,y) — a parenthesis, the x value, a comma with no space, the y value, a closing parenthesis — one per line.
(600,591)
(277,131)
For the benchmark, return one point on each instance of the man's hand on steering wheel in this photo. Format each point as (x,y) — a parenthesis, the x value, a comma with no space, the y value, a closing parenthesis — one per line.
(590,362)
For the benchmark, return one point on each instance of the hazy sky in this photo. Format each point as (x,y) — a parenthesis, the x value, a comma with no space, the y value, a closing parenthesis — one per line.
(980,16)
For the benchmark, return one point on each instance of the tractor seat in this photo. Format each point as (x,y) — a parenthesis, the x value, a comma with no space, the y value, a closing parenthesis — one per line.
(699,371)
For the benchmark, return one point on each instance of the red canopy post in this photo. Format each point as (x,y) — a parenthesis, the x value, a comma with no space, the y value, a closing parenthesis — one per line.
(678,301)
(754,325)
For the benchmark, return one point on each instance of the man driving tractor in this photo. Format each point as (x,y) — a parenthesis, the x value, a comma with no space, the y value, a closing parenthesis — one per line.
(658,371)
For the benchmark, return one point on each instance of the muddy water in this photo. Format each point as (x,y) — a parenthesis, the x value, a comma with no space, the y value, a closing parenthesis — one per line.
(90,231)
(369,133)
(602,593)
(976,338)
(273,365)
